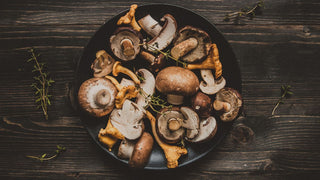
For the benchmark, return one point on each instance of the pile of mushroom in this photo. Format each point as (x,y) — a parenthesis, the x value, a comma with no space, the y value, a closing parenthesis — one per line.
(195,95)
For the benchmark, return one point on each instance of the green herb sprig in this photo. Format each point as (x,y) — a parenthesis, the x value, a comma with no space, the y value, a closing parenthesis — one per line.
(250,12)
(285,93)
(42,83)
(45,157)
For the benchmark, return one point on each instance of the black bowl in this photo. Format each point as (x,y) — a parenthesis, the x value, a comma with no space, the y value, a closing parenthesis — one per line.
(231,73)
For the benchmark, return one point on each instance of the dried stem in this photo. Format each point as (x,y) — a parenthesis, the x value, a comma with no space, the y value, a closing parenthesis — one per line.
(286,91)
(44,157)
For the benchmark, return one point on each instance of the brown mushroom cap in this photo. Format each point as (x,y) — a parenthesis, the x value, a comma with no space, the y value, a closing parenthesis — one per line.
(202,104)
(232,97)
(163,131)
(121,34)
(142,151)
(97,96)
(178,81)
(203,47)
(208,128)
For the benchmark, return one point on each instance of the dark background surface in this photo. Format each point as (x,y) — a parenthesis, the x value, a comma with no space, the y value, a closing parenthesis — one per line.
(281,46)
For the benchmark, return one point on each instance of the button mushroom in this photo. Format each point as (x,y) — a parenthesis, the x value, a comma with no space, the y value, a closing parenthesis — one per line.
(192,44)
(103,64)
(125,149)
(129,18)
(128,120)
(168,125)
(97,96)
(228,102)
(208,128)
(202,104)
(142,151)
(172,153)
(177,82)
(150,26)
(166,35)
(147,86)
(190,122)
(125,43)
(209,85)
(156,63)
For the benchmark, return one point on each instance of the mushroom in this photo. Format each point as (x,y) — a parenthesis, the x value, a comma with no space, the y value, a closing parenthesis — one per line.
(228,102)
(150,26)
(107,140)
(103,64)
(209,85)
(128,120)
(126,82)
(147,87)
(125,149)
(192,44)
(109,135)
(202,104)
(168,125)
(117,68)
(97,96)
(190,122)
(129,18)
(156,63)
(125,92)
(208,128)
(142,151)
(125,43)
(172,153)
(166,35)
(177,82)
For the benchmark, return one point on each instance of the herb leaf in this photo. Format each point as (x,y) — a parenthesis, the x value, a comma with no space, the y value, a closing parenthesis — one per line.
(44,156)
(285,93)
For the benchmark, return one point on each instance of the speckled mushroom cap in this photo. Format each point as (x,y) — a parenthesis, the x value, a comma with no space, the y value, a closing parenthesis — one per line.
(96,96)
(177,80)
(232,97)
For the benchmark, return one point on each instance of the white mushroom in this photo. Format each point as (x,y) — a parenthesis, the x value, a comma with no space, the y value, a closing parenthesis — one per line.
(126,82)
(209,85)
(147,86)
(128,120)
(150,26)
(166,35)
(126,148)
(208,129)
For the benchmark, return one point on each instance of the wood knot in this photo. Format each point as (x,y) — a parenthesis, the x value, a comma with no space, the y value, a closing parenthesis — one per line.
(267,166)
(242,134)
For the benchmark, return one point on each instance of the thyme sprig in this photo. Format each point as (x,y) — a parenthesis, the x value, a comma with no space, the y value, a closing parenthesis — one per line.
(166,54)
(45,157)
(250,12)
(41,84)
(285,93)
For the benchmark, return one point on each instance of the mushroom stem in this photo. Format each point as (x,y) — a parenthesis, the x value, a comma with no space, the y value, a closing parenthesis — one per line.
(150,26)
(115,82)
(184,47)
(174,124)
(174,99)
(103,97)
(117,68)
(221,106)
(147,56)
(172,153)
(127,47)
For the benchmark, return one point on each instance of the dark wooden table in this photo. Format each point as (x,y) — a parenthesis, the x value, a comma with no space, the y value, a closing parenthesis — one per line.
(281,46)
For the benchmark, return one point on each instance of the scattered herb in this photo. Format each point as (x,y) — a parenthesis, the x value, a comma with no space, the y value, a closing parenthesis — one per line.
(41,84)
(249,12)
(45,157)
(285,93)
(154,101)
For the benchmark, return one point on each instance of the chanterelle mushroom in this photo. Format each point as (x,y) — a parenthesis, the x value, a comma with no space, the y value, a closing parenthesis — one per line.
(117,68)
(125,43)
(150,26)
(147,87)
(166,35)
(129,18)
(192,44)
(128,120)
(177,82)
(97,96)
(172,153)
(228,102)
(103,64)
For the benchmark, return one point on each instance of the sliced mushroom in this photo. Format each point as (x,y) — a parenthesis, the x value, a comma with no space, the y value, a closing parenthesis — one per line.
(192,44)
(164,125)
(142,151)
(156,63)
(97,96)
(117,68)
(191,122)
(129,18)
(128,120)
(125,149)
(147,86)
(228,102)
(209,85)
(208,128)
(150,26)
(202,104)
(126,82)
(103,64)
(125,43)
(166,35)
(177,82)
